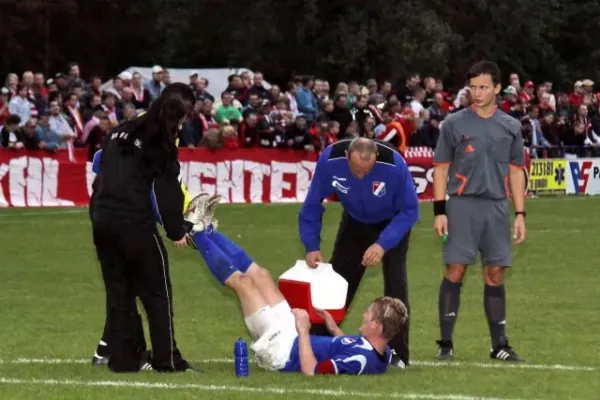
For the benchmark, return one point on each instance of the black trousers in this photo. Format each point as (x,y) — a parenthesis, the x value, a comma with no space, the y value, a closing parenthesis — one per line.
(138,326)
(353,239)
(134,263)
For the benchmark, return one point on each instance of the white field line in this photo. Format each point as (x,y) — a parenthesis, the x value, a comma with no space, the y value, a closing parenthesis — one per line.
(425,364)
(241,389)
(14,217)
(42,212)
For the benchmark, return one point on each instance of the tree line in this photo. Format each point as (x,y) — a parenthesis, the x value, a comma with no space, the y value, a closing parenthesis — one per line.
(334,39)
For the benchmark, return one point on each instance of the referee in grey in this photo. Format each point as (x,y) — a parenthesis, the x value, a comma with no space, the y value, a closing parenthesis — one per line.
(479,161)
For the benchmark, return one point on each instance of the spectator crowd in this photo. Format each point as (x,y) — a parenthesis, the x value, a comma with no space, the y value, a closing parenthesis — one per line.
(307,114)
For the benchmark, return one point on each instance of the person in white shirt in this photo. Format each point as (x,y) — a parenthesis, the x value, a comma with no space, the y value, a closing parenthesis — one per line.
(20,105)
(417,102)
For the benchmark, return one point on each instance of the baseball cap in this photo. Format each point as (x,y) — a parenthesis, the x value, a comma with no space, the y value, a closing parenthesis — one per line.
(588,82)
(578,84)
(126,75)
(510,90)
(371,82)
(529,84)
(156,69)
(193,73)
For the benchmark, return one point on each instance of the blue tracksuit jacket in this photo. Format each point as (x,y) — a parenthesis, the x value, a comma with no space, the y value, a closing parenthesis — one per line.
(387,193)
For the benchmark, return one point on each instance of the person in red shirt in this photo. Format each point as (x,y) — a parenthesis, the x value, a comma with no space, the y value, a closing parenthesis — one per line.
(407,119)
(448,104)
(576,98)
(248,132)
(326,134)
(527,94)
(510,99)
(230,136)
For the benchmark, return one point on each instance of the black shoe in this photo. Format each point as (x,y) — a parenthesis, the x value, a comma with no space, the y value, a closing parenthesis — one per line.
(504,352)
(445,350)
(145,363)
(397,361)
(99,360)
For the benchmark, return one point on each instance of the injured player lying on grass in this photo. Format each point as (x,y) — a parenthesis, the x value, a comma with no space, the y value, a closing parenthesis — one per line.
(281,339)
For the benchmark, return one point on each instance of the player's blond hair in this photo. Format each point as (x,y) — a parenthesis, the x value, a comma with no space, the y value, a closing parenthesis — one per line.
(391,313)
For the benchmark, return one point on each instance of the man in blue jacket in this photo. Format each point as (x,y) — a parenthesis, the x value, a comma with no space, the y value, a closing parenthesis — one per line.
(380,202)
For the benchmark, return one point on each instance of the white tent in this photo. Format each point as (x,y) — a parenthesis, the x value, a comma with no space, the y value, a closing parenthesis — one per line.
(217,77)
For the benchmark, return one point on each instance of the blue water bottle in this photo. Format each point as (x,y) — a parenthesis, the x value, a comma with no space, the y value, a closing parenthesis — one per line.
(240,352)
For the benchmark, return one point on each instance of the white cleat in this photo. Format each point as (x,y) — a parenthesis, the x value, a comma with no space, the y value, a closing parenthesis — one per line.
(200,213)
(209,214)
(196,208)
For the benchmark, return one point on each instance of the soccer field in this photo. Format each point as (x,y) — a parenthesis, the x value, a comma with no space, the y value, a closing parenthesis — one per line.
(52,313)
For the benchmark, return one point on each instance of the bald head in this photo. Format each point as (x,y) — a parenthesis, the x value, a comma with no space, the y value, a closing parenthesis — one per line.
(361,153)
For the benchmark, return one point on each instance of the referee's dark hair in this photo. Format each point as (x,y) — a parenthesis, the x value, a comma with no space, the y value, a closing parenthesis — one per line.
(485,68)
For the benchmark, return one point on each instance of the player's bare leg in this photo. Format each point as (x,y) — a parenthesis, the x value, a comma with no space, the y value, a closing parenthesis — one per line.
(261,277)
(205,220)
(258,315)
(264,281)
(494,300)
(248,294)
(448,306)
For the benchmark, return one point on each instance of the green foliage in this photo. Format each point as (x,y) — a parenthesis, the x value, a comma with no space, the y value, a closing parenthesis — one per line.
(336,39)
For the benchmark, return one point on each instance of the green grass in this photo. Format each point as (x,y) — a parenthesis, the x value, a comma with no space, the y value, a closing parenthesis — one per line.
(52,306)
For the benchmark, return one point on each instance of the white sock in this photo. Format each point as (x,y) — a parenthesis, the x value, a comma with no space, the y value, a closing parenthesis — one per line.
(260,322)
(283,311)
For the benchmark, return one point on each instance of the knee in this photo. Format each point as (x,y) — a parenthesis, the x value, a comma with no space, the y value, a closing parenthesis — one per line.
(455,273)
(242,283)
(493,276)
(258,273)
(263,274)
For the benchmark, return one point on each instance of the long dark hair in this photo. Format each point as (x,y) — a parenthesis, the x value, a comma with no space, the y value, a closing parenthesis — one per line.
(159,126)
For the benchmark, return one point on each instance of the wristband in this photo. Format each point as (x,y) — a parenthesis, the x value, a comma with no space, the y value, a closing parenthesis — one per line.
(523,213)
(439,207)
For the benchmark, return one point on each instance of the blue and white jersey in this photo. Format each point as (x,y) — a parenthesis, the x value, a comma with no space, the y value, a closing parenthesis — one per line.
(349,355)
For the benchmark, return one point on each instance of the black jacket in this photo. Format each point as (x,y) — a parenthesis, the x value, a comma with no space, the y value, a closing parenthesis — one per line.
(129,172)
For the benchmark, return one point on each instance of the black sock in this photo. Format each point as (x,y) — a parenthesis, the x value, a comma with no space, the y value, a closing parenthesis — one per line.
(448,304)
(494,302)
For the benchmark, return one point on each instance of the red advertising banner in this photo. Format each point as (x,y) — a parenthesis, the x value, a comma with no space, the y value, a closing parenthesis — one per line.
(42,179)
